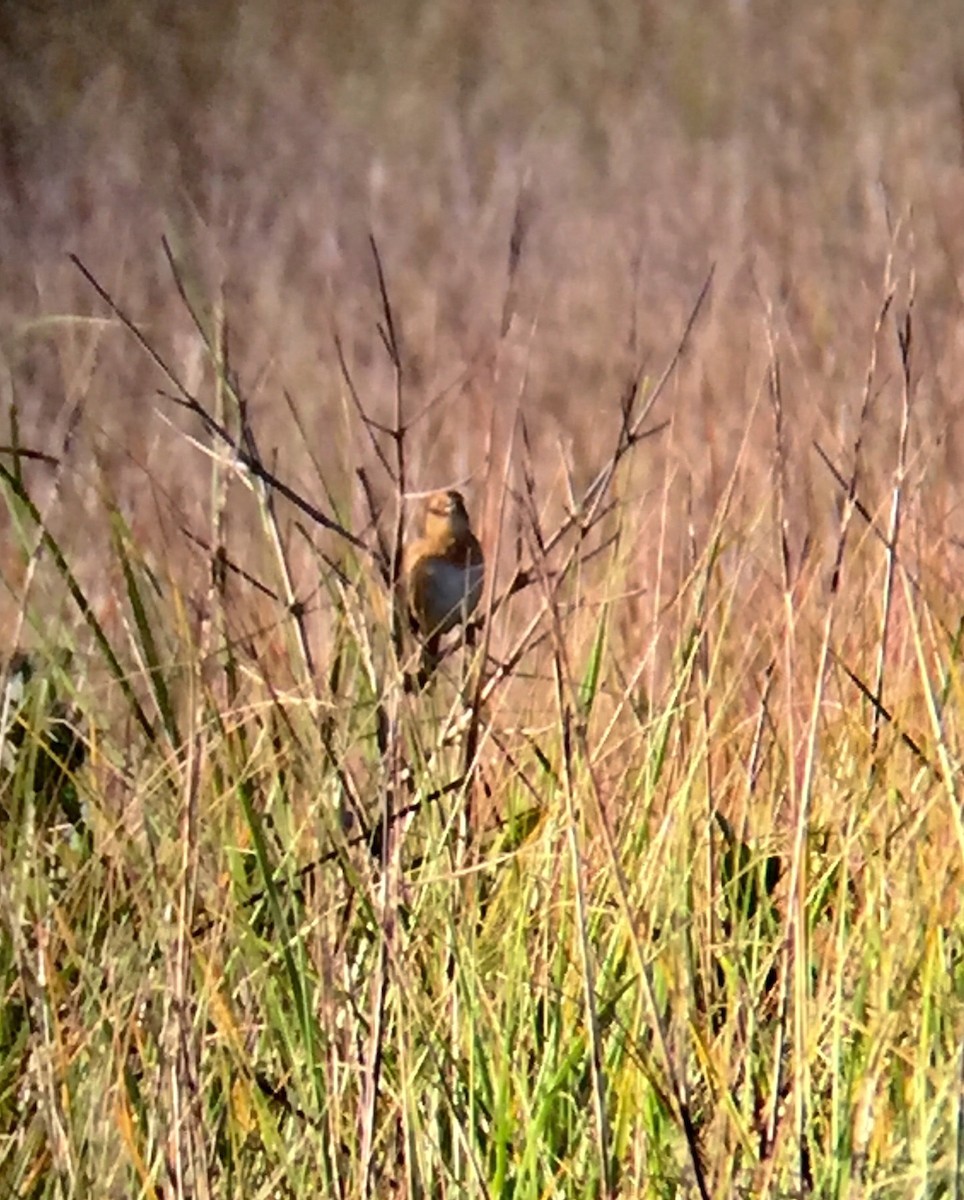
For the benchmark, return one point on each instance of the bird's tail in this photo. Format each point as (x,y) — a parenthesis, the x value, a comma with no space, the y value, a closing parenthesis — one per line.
(429,661)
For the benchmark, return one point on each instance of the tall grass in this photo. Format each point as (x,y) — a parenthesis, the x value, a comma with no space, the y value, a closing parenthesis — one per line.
(655,891)
(571,921)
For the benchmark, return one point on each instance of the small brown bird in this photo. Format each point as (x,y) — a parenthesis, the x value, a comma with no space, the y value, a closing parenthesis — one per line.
(443,572)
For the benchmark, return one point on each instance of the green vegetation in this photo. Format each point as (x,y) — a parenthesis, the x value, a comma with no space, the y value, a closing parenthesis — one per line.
(656,890)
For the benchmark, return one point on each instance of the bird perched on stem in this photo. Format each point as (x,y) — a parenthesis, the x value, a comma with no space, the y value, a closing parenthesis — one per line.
(443,571)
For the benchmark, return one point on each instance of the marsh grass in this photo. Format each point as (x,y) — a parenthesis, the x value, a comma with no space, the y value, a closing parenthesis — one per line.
(569,921)
(656,890)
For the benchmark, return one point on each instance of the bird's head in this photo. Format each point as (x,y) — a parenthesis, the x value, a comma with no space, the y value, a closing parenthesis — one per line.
(445,517)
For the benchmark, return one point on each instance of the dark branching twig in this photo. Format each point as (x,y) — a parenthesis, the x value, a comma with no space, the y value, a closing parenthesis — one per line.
(31,455)
(904,342)
(183,398)
(851,485)
(586,515)
(228,564)
(863,511)
(886,715)
(369,838)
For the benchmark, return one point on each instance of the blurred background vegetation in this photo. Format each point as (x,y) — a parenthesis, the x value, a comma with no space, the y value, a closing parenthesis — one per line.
(795,146)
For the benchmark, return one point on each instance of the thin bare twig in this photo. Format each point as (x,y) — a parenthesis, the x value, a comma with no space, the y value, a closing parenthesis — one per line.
(185,400)
(905,342)
(632,432)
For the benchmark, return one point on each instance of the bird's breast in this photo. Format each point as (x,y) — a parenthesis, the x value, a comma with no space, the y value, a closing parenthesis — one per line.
(449,593)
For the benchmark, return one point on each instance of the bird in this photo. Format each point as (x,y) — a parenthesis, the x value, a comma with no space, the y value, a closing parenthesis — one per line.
(443,572)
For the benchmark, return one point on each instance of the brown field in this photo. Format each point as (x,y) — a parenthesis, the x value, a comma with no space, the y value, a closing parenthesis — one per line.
(764,627)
